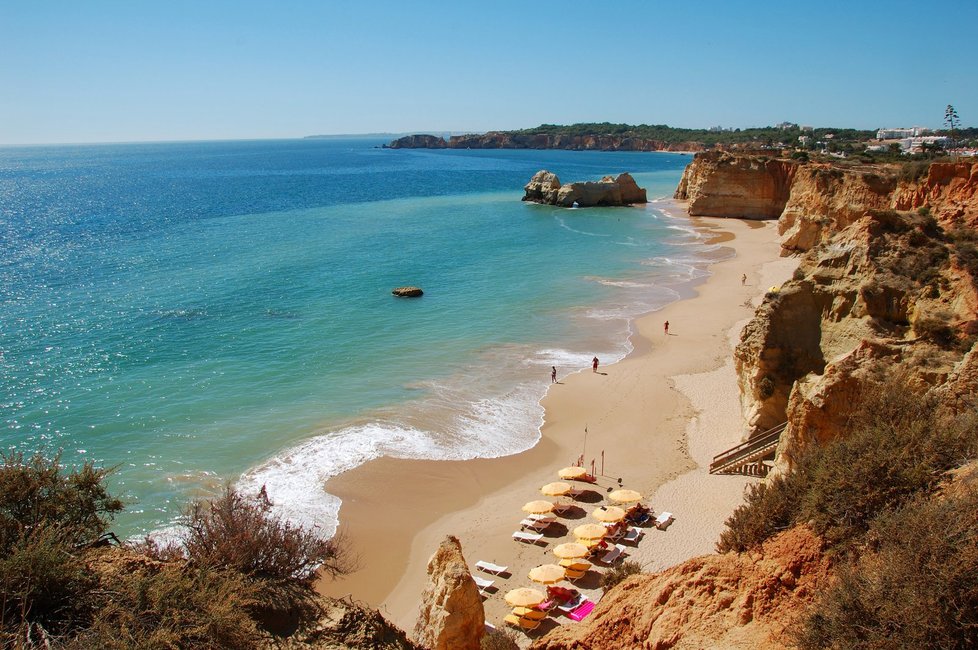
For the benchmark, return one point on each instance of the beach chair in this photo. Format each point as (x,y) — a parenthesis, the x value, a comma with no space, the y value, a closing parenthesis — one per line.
(489,567)
(663,520)
(613,554)
(530,538)
(525,624)
(582,611)
(483,584)
(560,508)
(633,534)
(571,605)
(536,524)
(532,613)
(572,574)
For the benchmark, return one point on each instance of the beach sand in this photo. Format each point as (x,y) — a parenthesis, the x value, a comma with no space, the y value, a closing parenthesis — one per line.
(658,416)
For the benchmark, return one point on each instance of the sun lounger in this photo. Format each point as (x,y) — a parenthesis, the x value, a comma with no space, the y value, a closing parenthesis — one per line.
(532,613)
(524,624)
(531,538)
(613,554)
(569,607)
(582,611)
(633,534)
(489,567)
(560,508)
(572,575)
(536,524)
(663,520)
(483,584)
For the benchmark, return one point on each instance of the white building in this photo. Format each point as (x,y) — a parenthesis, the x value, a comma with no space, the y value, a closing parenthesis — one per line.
(899,134)
(916,145)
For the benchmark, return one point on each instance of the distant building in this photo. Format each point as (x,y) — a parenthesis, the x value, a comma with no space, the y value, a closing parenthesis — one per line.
(899,134)
(916,145)
(804,140)
(784,126)
(807,128)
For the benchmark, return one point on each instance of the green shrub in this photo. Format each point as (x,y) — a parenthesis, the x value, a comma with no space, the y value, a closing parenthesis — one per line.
(768,509)
(619,572)
(937,330)
(175,607)
(917,588)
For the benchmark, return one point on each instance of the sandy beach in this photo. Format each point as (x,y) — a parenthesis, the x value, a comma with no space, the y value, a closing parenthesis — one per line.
(657,418)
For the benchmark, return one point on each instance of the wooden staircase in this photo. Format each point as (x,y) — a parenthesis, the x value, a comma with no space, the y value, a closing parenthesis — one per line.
(747,457)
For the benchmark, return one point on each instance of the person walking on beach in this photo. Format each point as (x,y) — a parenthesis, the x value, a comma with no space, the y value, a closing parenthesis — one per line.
(666,328)
(743,279)
(553,374)
(594,364)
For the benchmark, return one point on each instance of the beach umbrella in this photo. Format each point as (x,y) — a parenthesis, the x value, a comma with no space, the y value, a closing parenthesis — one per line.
(538,507)
(555,489)
(608,514)
(524,597)
(570,550)
(547,574)
(590,531)
(624,496)
(572,472)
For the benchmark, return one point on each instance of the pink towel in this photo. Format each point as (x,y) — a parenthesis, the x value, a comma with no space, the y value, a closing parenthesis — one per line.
(581,612)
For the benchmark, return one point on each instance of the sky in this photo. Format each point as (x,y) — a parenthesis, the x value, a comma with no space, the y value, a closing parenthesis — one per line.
(140,70)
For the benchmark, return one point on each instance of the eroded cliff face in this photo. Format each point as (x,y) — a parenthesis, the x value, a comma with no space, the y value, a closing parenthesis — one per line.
(718,184)
(714,601)
(890,294)
(451,615)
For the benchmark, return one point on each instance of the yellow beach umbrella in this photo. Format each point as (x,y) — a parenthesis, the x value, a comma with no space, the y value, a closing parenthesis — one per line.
(547,574)
(609,514)
(590,531)
(524,597)
(538,507)
(555,489)
(624,496)
(572,472)
(570,550)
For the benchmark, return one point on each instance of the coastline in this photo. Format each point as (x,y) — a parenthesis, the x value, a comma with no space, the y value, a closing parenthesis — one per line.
(396,511)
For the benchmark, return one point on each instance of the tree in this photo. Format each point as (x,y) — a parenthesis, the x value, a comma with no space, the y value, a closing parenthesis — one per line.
(952,121)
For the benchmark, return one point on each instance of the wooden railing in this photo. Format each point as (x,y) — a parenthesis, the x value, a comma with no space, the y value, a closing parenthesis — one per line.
(734,460)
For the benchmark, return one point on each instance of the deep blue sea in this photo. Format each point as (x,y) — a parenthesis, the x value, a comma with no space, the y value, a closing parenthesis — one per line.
(193,313)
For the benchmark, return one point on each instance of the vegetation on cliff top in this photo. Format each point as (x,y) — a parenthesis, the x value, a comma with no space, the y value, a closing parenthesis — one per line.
(708,137)
(240,575)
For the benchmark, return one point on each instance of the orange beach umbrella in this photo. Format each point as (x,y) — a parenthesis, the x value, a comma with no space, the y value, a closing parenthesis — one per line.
(590,531)
(570,550)
(556,489)
(547,574)
(608,514)
(538,507)
(524,597)
(572,472)
(624,496)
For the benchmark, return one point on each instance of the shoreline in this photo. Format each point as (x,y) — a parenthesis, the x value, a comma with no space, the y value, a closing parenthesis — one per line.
(396,511)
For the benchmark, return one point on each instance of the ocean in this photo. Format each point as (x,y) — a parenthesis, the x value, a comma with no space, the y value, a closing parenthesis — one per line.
(192,314)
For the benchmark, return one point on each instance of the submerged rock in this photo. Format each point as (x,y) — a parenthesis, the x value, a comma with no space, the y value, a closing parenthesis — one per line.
(408,292)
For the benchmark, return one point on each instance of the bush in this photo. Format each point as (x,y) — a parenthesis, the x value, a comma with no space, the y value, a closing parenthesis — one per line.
(241,534)
(498,639)
(919,589)
(898,445)
(619,572)
(936,330)
(175,607)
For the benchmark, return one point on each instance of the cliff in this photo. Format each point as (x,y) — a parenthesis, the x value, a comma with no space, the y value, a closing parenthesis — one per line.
(718,184)
(510,140)
(713,601)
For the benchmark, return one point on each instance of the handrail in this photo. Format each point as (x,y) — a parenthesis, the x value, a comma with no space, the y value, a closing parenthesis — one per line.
(759,442)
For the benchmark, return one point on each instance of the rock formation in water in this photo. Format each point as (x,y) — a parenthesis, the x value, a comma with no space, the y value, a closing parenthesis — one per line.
(714,601)
(545,187)
(451,616)
(407,292)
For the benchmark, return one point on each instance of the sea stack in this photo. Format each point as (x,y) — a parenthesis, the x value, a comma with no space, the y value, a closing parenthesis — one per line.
(545,187)
(408,292)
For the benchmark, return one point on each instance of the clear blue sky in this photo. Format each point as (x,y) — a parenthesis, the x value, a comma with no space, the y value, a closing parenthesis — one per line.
(125,70)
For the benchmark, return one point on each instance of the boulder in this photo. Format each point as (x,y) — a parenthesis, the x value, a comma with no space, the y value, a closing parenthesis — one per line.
(407,292)
(451,616)
(630,191)
(542,188)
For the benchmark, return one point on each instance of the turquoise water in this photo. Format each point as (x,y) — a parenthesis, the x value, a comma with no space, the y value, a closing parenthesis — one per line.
(199,312)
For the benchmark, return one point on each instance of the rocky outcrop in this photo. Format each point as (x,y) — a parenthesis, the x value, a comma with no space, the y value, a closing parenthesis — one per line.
(407,292)
(718,184)
(889,294)
(545,187)
(451,616)
(509,140)
(714,601)
(542,188)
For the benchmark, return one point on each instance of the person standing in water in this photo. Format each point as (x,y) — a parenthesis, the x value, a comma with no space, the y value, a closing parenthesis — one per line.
(594,364)
(553,374)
